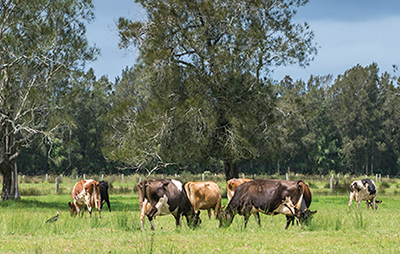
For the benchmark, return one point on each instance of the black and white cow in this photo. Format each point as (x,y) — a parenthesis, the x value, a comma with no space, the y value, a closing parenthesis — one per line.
(363,190)
(104,194)
(269,197)
(165,197)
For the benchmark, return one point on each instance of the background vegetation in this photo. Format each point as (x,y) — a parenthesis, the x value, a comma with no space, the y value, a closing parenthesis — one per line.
(199,98)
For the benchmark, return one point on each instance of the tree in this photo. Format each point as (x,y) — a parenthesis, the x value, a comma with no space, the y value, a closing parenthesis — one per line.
(42,43)
(208,62)
(356,112)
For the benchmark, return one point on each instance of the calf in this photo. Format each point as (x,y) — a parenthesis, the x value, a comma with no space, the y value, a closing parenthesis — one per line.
(232,184)
(165,197)
(363,190)
(85,193)
(204,196)
(104,194)
(269,197)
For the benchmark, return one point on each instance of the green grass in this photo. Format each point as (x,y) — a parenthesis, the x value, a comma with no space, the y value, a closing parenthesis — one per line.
(333,229)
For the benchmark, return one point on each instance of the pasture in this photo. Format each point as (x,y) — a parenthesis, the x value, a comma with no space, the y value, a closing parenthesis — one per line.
(333,229)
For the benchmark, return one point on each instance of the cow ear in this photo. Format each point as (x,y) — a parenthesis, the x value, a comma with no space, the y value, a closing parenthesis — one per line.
(313,212)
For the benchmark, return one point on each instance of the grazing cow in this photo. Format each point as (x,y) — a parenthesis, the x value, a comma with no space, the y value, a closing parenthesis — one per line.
(204,196)
(104,194)
(232,184)
(165,197)
(85,193)
(269,197)
(363,190)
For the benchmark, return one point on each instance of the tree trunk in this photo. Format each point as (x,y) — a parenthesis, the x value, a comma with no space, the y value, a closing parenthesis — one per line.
(279,168)
(231,170)
(10,181)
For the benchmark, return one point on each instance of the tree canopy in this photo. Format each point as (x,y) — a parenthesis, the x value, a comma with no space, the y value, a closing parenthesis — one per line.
(206,65)
(42,43)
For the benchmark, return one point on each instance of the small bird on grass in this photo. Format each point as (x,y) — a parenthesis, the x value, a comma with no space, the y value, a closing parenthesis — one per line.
(54,218)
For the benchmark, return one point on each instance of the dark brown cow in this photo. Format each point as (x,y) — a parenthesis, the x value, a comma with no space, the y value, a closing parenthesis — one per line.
(204,196)
(85,193)
(232,184)
(166,197)
(269,197)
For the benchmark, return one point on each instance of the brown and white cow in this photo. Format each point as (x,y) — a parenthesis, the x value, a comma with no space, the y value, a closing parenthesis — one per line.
(363,190)
(165,197)
(270,197)
(204,196)
(85,193)
(232,184)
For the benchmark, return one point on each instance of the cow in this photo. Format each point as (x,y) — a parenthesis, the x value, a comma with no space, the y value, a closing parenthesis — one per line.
(104,194)
(232,184)
(204,196)
(270,197)
(363,190)
(85,193)
(165,197)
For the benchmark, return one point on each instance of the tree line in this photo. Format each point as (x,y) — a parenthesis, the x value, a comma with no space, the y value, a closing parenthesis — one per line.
(199,97)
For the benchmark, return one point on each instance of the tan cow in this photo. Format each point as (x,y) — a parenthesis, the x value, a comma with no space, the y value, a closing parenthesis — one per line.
(85,193)
(204,196)
(232,184)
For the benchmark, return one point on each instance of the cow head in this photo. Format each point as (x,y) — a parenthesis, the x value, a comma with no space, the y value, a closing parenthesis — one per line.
(306,216)
(225,219)
(193,219)
(72,209)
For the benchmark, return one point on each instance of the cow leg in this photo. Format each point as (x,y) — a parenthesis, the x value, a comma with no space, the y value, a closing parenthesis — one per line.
(150,216)
(153,227)
(90,210)
(178,221)
(351,199)
(358,205)
(246,219)
(209,213)
(257,217)
(289,219)
(108,204)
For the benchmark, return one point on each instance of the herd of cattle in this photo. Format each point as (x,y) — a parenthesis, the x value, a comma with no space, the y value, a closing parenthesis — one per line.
(246,197)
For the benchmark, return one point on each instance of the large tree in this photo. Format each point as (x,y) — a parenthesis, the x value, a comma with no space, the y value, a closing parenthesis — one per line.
(41,43)
(207,63)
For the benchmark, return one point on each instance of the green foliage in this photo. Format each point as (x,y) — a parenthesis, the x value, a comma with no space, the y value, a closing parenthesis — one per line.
(206,65)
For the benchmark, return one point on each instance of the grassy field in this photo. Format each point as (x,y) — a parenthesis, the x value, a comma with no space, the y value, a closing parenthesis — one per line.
(333,229)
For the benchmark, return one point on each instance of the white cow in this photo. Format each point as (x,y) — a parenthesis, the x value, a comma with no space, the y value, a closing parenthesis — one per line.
(363,190)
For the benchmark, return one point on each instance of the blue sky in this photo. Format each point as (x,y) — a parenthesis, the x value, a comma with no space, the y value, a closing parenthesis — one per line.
(347,33)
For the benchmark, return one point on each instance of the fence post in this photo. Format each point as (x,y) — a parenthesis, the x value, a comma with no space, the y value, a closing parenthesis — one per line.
(47,178)
(287,177)
(380,177)
(376,176)
(122,178)
(57,184)
(102,176)
(331,183)
(84,176)
(202,177)
(242,175)
(162,176)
